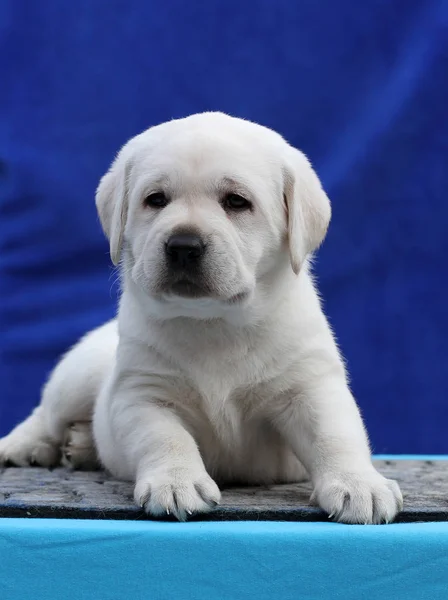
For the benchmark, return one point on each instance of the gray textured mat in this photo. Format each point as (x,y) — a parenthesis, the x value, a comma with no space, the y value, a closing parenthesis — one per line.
(35,492)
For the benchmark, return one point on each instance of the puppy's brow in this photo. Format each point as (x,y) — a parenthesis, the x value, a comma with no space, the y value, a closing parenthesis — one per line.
(230,181)
(159,180)
(235,185)
(155,183)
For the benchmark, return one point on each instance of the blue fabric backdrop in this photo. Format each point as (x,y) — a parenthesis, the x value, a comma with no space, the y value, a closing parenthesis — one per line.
(361,87)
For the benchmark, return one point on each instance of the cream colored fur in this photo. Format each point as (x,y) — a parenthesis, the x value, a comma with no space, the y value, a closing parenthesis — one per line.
(244,384)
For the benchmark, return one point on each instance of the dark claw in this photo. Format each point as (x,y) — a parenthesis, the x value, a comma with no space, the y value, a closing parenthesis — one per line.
(375,511)
(144,502)
(345,502)
(200,492)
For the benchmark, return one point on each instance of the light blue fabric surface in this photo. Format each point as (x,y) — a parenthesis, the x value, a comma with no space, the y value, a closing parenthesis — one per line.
(410,457)
(108,560)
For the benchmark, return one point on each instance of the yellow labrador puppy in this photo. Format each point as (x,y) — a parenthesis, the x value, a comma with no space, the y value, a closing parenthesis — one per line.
(221,366)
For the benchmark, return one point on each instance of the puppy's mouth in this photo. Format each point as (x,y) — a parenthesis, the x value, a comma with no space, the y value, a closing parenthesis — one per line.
(239,298)
(188,289)
(191,290)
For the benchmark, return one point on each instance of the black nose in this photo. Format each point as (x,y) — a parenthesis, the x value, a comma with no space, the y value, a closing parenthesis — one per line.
(184,249)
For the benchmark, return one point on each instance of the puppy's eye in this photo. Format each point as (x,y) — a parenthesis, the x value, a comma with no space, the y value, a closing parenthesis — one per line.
(156,200)
(236,202)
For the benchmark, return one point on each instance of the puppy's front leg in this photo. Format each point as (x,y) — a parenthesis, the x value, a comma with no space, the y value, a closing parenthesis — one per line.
(323,425)
(170,476)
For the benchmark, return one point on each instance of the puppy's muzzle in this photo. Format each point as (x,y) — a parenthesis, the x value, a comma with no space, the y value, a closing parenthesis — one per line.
(184,251)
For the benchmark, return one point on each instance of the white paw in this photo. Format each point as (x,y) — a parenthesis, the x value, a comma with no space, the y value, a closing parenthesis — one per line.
(179,492)
(21,451)
(362,497)
(78,447)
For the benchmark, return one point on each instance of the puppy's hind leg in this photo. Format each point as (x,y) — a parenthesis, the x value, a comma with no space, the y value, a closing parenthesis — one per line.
(62,421)
(70,395)
(29,444)
(78,447)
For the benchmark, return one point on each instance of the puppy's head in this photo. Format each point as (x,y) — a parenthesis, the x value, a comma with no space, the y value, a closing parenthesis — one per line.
(203,209)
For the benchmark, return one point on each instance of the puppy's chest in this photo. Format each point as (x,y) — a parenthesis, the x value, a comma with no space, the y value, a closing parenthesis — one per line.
(224,377)
(229,378)
(219,411)
(229,395)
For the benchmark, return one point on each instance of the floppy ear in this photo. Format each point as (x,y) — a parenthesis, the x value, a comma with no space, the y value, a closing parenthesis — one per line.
(112,205)
(308,207)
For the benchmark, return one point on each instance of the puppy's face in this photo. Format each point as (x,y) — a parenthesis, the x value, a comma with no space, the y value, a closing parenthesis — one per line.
(205,207)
